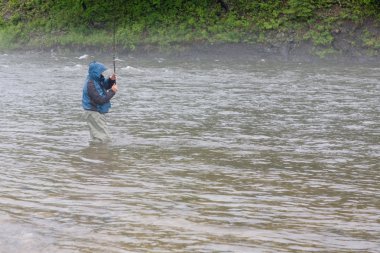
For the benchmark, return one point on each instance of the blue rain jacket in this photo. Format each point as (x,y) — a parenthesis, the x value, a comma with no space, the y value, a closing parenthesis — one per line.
(96,90)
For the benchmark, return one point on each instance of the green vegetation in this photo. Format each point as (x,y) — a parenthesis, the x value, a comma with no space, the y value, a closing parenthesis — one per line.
(164,23)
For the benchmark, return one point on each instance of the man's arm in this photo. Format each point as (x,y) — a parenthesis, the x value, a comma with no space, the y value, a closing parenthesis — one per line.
(109,83)
(96,97)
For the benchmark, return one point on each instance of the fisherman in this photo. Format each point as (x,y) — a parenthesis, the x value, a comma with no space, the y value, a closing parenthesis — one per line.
(97,93)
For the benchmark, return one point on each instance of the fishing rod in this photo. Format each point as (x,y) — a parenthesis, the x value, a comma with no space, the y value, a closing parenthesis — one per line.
(114,40)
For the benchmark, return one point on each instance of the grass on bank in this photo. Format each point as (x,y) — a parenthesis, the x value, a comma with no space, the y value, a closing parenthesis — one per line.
(162,24)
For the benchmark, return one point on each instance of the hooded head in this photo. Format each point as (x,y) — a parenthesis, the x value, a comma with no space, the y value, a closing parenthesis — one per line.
(95,70)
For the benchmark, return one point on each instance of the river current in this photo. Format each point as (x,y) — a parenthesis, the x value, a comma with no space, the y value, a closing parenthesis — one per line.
(207,156)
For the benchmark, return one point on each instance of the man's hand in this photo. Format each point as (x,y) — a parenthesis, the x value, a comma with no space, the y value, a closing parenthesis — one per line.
(113,77)
(114,88)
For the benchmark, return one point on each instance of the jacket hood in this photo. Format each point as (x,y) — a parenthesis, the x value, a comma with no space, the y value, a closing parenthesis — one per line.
(95,70)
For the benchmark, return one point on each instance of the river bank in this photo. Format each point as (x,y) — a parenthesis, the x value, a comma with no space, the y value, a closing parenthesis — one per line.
(349,44)
(292,30)
(286,52)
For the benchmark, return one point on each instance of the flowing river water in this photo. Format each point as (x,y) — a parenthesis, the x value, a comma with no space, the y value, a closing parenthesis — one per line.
(207,156)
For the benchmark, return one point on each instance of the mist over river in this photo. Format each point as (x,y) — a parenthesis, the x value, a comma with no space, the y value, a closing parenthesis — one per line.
(207,155)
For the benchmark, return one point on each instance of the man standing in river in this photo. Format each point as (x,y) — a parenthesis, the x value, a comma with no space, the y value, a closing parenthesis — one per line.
(97,93)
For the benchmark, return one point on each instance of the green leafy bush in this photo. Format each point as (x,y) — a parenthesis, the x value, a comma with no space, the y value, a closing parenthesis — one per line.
(300,10)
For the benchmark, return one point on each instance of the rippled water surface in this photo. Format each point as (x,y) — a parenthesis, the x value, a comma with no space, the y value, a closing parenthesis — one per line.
(207,156)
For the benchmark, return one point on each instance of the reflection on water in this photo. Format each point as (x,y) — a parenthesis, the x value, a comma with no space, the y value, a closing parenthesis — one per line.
(207,157)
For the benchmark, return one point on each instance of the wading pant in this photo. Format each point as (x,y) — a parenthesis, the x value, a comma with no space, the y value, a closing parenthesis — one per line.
(98,126)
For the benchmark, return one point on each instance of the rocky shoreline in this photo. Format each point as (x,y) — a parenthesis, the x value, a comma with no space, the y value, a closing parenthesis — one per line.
(350,44)
(344,50)
(286,52)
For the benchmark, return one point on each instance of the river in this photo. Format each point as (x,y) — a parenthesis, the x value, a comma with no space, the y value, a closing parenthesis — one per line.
(214,155)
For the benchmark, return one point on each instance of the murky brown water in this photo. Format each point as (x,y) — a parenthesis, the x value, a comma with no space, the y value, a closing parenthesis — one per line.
(207,157)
